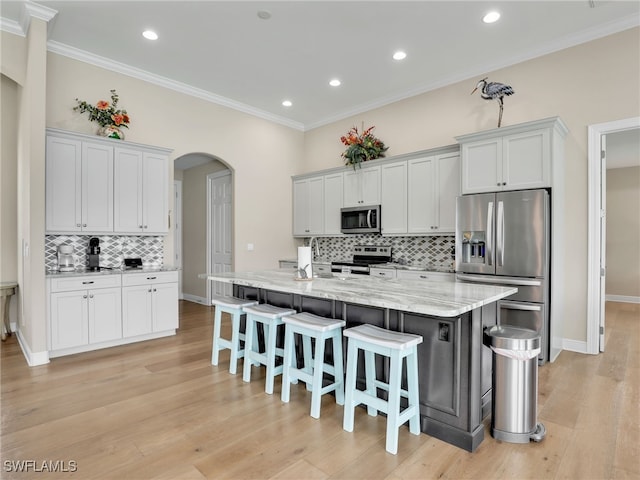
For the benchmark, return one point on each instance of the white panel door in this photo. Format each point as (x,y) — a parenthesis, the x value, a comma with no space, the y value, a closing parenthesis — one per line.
(332,203)
(69,326)
(137,310)
(97,187)
(420,195)
(394,197)
(482,166)
(105,314)
(526,160)
(63,185)
(221,246)
(127,191)
(165,306)
(447,188)
(154,193)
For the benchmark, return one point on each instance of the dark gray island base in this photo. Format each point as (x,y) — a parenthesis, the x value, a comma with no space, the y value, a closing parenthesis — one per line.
(454,366)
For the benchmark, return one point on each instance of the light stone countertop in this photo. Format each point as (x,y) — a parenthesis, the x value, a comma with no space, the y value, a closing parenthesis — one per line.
(437,298)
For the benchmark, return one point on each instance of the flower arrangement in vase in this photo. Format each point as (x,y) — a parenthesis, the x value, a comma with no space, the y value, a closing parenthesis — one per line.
(361,146)
(110,118)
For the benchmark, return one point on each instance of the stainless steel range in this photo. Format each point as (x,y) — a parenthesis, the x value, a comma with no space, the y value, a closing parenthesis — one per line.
(363,256)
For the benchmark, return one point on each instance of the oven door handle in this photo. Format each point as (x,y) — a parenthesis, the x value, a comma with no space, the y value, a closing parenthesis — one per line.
(520,306)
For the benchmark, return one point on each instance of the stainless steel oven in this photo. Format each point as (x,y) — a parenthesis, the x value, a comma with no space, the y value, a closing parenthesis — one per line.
(365,219)
(363,256)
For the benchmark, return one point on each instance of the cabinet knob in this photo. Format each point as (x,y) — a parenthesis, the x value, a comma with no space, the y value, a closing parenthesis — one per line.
(145,226)
(84,224)
(84,296)
(90,296)
(155,290)
(498,184)
(140,226)
(149,290)
(504,183)
(78,225)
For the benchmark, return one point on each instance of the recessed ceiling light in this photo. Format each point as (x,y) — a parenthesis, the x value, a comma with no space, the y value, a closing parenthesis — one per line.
(399,55)
(287,103)
(491,17)
(264,14)
(150,35)
(335,82)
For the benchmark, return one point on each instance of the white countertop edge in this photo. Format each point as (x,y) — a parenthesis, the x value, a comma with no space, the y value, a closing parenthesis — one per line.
(115,271)
(436,298)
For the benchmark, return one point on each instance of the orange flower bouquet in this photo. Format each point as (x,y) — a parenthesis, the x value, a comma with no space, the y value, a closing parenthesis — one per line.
(107,115)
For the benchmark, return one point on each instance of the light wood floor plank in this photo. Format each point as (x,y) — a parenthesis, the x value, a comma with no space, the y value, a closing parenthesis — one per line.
(160,410)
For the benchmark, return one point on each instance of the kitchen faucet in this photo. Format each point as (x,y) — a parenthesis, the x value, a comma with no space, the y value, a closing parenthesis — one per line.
(317,250)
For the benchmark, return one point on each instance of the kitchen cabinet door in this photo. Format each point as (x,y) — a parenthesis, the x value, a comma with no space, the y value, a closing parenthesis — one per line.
(69,313)
(394,197)
(97,187)
(165,306)
(333,190)
(128,191)
(308,206)
(137,310)
(63,185)
(362,187)
(482,166)
(526,160)
(420,195)
(447,186)
(105,314)
(154,193)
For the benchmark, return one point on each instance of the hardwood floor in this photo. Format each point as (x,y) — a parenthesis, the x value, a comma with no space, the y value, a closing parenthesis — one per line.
(160,410)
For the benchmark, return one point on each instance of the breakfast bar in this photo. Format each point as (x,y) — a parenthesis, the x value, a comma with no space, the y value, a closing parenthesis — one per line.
(454,366)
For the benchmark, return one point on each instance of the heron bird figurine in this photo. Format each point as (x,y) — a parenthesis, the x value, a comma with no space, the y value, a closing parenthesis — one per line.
(494,91)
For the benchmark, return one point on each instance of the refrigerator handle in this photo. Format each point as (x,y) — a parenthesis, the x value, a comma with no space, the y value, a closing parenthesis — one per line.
(500,235)
(520,306)
(489,245)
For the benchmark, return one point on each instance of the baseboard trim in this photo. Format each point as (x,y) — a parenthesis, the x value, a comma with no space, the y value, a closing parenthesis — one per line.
(622,298)
(33,358)
(195,299)
(574,346)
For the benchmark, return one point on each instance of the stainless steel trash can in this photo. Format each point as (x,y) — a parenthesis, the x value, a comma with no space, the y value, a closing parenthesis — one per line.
(515,384)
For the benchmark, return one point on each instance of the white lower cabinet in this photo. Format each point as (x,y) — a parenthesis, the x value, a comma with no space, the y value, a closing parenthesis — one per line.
(84,311)
(426,275)
(97,311)
(149,303)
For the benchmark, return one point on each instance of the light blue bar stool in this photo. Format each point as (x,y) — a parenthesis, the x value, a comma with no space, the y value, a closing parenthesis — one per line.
(321,329)
(397,346)
(270,317)
(233,306)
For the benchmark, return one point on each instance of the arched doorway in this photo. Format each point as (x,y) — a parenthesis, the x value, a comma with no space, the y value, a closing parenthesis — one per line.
(198,232)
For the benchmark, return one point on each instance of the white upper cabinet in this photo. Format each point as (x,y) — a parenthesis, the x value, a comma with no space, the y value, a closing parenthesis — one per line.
(141,195)
(394,197)
(97,185)
(510,158)
(433,185)
(362,186)
(79,186)
(308,206)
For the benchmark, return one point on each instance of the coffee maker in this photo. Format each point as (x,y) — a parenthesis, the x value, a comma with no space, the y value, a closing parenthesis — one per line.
(66,258)
(94,254)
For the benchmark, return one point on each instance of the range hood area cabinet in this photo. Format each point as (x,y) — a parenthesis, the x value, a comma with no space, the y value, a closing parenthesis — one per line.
(517,157)
(100,185)
(416,192)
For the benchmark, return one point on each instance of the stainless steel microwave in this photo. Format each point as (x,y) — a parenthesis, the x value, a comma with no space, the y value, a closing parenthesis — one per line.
(364,219)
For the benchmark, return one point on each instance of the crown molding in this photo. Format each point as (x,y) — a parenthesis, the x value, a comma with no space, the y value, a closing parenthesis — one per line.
(11,26)
(33,10)
(124,69)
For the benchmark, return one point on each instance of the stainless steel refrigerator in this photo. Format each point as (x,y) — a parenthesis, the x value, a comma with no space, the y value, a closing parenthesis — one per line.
(503,238)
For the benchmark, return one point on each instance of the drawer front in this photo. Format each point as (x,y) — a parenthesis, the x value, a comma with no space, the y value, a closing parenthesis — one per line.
(382,272)
(321,268)
(85,283)
(422,275)
(148,278)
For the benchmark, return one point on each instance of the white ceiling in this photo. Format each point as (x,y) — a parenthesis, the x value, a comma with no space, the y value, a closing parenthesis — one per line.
(222,52)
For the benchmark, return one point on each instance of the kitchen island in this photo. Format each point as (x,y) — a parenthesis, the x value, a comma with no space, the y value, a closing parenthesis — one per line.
(454,366)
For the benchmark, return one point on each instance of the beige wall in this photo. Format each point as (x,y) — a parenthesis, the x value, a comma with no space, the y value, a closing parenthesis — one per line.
(623,232)
(194,222)
(8,178)
(591,83)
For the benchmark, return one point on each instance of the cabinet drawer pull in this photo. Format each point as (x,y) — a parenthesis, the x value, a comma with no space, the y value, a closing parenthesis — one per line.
(423,276)
(87,283)
(151,278)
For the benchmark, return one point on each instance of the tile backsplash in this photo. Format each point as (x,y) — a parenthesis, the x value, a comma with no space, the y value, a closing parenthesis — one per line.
(113,249)
(432,251)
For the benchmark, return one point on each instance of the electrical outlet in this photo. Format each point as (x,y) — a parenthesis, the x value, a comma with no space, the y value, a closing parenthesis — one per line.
(250,247)
(443,332)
